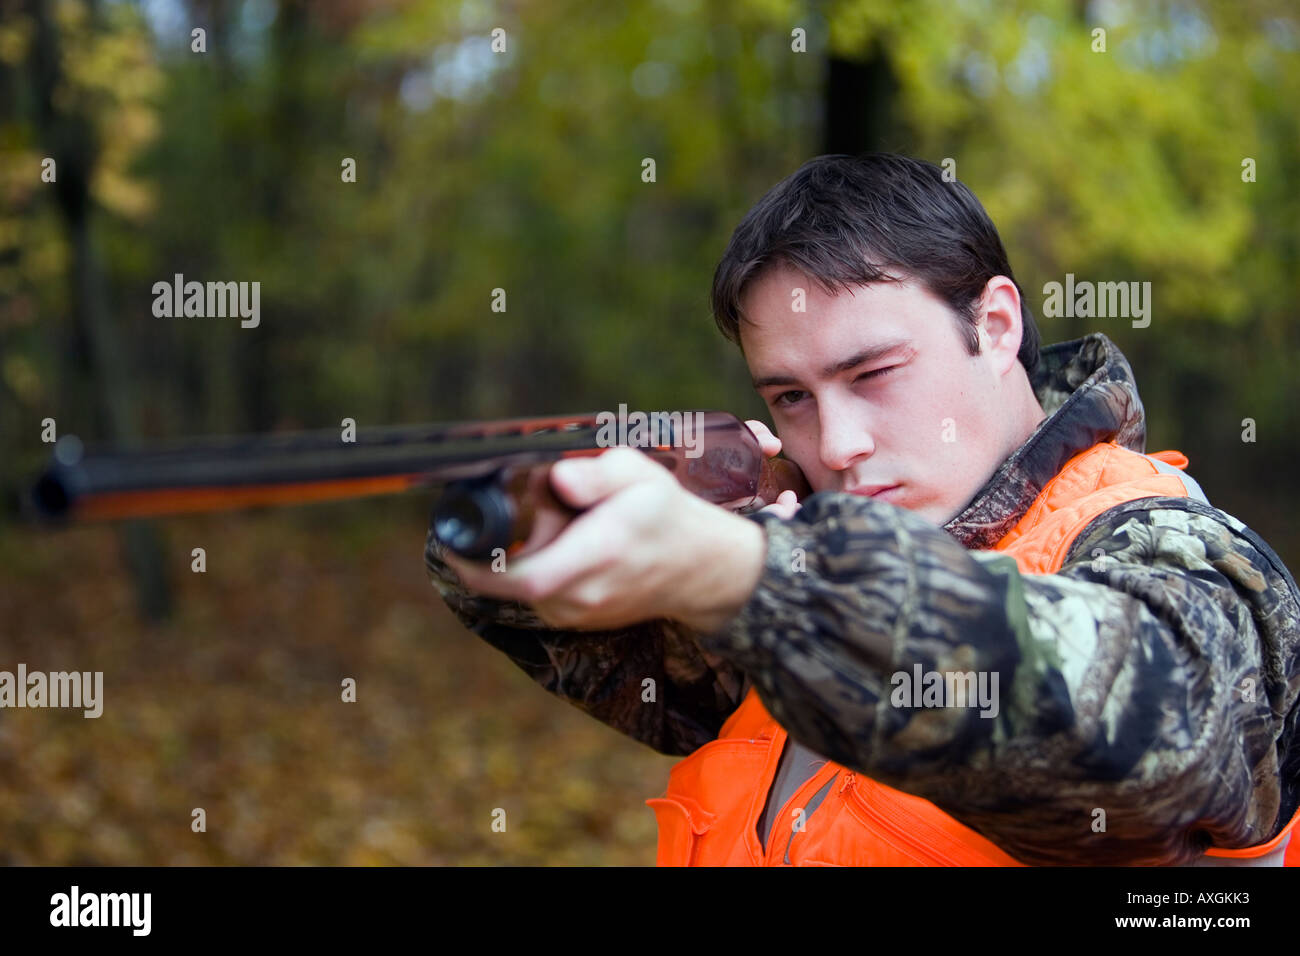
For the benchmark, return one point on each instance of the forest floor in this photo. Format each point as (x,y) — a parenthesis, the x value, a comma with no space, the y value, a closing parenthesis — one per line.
(235,706)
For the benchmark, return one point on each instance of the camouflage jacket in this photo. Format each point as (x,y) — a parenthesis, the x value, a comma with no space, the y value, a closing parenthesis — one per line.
(1123,679)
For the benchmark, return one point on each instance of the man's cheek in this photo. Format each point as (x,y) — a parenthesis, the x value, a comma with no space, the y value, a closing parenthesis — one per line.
(801,449)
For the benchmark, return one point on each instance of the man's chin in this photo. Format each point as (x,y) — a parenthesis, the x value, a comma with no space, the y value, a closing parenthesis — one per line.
(936,514)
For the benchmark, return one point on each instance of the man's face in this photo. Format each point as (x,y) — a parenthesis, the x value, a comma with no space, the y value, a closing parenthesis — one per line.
(873,392)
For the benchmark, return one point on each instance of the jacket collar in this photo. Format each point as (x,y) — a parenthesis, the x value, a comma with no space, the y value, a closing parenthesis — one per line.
(1086,388)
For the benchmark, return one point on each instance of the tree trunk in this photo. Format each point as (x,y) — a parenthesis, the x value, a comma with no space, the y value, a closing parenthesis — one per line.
(859,105)
(71,142)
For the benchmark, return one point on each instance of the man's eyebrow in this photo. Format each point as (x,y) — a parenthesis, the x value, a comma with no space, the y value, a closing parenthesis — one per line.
(870,354)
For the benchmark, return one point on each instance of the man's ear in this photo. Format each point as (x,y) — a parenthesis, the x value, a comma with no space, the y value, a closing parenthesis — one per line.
(1000,325)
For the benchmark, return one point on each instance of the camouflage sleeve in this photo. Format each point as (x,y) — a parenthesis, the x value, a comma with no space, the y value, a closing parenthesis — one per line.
(1153,678)
(605,673)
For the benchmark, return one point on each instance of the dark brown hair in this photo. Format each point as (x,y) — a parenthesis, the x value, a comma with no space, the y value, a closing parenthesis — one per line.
(851,220)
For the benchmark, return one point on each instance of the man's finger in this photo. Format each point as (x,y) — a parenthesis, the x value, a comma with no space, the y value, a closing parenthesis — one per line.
(479,577)
(580,551)
(769,443)
(582,482)
(785,506)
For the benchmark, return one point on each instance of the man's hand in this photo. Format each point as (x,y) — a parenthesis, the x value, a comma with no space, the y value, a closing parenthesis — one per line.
(645,548)
(787,503)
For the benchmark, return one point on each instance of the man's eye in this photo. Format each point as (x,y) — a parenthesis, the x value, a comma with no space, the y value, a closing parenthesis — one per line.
(786,399)
(876,373)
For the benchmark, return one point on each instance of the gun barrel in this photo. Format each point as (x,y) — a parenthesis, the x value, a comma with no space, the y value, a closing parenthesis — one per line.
(247,471)
(711,453)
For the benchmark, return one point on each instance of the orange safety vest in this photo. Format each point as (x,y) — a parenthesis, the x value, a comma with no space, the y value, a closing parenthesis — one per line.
(709,813)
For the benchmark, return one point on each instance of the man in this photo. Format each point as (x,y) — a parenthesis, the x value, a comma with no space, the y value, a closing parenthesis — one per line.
(997,633)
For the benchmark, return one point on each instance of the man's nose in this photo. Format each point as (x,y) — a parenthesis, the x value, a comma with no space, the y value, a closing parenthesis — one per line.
(843,439)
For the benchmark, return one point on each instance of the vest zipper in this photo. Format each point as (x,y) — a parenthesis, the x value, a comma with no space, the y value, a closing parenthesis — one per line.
(808,790)
(896,825)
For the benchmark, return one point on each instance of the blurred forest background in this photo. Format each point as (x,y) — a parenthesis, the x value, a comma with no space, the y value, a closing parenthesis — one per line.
(522,170)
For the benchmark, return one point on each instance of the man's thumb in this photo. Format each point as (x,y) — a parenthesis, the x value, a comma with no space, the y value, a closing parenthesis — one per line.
(582,482)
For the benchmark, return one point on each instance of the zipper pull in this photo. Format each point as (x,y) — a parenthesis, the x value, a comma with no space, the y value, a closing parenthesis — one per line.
(848,781)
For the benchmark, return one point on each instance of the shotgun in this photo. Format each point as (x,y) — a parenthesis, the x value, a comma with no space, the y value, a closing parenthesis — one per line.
(493,475)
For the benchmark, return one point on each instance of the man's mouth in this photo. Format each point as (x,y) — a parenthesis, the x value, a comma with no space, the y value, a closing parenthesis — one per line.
(879,492)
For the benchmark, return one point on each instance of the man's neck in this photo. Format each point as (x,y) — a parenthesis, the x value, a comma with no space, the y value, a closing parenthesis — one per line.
(1029,415)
